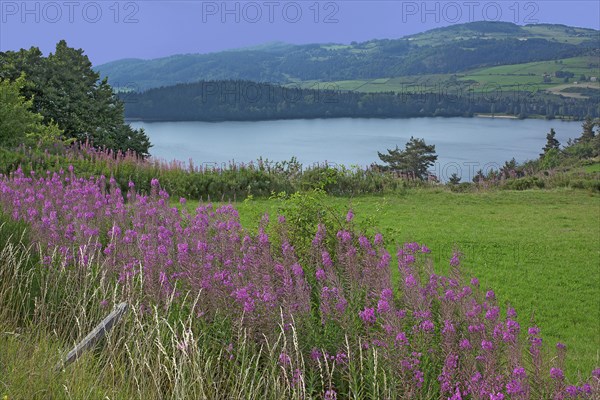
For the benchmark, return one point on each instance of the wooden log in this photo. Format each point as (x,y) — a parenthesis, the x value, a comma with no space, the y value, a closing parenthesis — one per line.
(92,338)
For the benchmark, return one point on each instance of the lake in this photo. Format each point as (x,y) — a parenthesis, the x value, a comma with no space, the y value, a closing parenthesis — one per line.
(463,145)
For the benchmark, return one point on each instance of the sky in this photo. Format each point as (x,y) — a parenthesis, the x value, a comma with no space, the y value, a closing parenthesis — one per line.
(109,30)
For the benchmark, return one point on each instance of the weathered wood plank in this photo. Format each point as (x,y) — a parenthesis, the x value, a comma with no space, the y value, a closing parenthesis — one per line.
(92,338)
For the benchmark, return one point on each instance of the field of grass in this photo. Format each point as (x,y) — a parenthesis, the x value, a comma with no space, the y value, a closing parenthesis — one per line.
(527,76)
(558,33)
(419,83)
(592,168)
(555,33)
(577,65)
(531,73)
(539,250)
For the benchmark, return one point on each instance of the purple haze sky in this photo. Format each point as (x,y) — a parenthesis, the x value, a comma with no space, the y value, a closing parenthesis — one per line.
(109,30)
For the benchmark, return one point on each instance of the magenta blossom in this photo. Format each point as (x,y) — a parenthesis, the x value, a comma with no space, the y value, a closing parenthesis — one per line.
(368,315)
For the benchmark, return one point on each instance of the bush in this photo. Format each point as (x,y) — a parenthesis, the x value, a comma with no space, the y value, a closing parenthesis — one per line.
(529,182)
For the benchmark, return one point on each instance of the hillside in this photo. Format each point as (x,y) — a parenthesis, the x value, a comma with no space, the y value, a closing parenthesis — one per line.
(448,50)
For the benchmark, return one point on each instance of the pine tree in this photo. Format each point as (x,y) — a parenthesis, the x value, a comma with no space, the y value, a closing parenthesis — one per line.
(588,130)
(414,160)
(551,143)
(454,179)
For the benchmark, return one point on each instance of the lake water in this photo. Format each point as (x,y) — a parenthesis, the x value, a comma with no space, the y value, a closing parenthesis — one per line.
(463,145)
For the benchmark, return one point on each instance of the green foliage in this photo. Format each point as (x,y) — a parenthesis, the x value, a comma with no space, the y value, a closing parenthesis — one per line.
(46,136)
(551,143)
(65,90)
(454,179)
(529,182)
(555,167)
(462,187)
(588,130)
(18,124)
(16,119)
(259,179)
(414,160)
(550,159)
(304,211)
(588,144)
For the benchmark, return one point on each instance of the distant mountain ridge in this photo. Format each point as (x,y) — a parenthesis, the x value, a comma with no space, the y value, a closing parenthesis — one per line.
(450,49)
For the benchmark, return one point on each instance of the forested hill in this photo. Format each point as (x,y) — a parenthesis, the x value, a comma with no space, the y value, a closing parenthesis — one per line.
(246,101)
(444,50)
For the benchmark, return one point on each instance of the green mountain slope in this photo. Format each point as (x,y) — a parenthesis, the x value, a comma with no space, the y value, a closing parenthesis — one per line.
(446,50)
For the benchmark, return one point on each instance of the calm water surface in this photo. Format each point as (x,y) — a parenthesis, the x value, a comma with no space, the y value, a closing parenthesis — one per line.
(462,144)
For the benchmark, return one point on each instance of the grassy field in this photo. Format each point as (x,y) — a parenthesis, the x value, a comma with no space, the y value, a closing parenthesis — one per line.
(419,83)
(555,33)
(539,250)
(527,76)
(511,76)
(577,65)
(592,168)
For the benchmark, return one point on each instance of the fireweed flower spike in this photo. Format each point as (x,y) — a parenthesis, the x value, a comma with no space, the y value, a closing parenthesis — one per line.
(349,216)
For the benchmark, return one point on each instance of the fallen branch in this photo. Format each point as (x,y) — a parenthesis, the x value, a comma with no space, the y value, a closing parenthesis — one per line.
(92,338)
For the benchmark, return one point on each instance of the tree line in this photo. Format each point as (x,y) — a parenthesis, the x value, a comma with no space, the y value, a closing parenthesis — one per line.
(246,101)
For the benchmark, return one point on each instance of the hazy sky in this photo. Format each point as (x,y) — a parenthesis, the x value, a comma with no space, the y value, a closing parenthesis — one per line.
(109,30)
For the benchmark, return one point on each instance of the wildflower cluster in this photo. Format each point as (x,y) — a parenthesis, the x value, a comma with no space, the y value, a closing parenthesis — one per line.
(436,335)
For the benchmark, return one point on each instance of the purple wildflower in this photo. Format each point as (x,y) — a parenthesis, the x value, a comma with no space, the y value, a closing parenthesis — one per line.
(284,359)
(349,216)
(401,339)
(320,274)
(315,354)
(455,261)
(487,345)
(383,306)
(427,326)
(557,374)
(368,315)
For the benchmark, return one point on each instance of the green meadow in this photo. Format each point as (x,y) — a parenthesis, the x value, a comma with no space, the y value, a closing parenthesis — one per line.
(511,76)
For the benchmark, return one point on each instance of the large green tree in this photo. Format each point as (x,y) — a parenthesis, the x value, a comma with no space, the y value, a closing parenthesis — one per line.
(415,159)
(64,88)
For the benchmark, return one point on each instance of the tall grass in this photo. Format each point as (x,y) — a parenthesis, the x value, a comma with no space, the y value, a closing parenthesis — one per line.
(155,352)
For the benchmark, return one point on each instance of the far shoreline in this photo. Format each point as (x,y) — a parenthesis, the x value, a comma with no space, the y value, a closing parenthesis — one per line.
(477,115)
(503,116)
